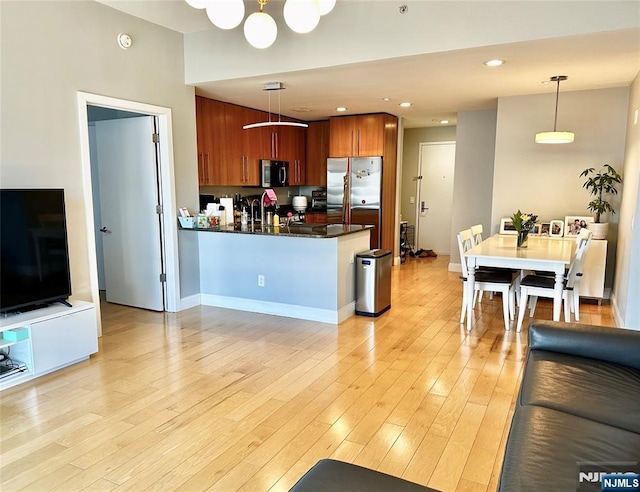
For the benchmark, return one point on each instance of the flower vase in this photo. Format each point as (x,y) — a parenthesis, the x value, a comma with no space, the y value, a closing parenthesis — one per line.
(523,238)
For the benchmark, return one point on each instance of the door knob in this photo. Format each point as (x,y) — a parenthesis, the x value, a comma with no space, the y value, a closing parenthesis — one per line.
(423,207)
(105,230)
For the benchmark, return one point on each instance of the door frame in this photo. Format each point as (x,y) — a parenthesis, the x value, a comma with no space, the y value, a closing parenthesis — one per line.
(167,195)
(421,145)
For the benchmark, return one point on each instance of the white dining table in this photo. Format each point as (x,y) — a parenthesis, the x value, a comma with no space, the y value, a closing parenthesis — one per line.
(542,253)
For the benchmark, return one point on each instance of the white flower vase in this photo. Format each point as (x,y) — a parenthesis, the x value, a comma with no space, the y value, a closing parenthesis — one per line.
(599,230)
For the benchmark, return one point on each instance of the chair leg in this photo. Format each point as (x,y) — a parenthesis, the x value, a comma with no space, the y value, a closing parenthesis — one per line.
(512,303)
(576,303)
(464,303)
(532,305)
(521,308)
(505,310)
(567,303)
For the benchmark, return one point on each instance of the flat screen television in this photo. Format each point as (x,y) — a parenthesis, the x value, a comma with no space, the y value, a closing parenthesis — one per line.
(34,253)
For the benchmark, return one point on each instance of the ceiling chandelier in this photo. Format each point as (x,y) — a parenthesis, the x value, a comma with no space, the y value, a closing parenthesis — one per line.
(270,87)
(555,137)
(260,30)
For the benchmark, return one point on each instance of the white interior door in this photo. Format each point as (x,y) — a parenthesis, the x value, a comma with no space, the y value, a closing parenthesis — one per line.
(130,224)
(435,196)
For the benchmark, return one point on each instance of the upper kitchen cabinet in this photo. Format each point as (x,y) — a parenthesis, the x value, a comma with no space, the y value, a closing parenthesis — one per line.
(357,136)
(317,153)
(210,116)
(286,143)
(242,147)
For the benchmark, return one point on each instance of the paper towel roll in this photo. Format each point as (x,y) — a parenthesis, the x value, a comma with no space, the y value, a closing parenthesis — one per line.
(227,203)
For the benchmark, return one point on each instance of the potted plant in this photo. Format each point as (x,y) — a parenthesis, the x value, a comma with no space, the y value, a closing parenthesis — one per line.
(600,184)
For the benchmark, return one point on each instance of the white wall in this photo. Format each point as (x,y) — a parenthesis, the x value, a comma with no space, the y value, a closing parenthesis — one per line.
(545,179)
(51,50)
(626,288)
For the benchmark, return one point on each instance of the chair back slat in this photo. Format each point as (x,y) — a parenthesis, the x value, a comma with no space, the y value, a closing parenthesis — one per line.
(575,268)
(465,243)
(476,233)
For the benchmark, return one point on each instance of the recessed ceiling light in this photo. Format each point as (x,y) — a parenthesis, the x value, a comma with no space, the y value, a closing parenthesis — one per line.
(341,109)
(302,110)
(494,63)
(385,99)
(545,82)
(405,104)
(444,122)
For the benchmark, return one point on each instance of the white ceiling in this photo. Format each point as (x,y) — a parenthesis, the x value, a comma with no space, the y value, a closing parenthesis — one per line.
(438,84)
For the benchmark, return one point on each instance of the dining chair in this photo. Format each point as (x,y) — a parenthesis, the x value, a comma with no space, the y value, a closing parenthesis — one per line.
(535,286)
(493,281)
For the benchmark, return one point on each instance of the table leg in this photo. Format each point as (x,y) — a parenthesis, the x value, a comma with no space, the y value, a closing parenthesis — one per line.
(471,278)
(557,295)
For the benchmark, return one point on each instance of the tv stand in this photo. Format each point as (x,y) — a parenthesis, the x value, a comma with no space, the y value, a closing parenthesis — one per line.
(63,301)
(44,340)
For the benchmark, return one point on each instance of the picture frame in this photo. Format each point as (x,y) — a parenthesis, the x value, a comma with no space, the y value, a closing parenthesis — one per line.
(545,228)
(556,228)
(507,227)
(573,224)
(536,229)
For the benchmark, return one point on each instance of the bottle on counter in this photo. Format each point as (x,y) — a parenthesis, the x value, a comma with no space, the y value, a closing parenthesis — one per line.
(244,217)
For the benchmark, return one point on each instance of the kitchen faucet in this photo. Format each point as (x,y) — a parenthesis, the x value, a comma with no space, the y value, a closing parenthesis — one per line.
(261,215)
(262,224)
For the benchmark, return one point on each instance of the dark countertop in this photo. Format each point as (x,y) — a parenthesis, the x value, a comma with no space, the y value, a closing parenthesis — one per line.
(321,231)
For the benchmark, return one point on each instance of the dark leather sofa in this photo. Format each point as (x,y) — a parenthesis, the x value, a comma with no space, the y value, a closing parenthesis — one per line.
(578,410)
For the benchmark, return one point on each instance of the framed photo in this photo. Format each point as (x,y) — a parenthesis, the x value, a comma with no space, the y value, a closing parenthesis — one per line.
(536,229)
(556,228)
(545,227)
(573,224)
(507,227)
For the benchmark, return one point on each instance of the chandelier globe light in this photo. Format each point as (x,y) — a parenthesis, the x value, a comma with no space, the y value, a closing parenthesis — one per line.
(326,6)
(302,16)
(555,137)
(225,14)
(260,29)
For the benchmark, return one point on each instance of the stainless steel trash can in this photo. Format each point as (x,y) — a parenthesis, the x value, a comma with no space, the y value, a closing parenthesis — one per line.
(373,282)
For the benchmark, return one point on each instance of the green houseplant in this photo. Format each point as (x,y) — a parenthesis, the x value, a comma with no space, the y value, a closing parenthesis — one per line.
(600,184)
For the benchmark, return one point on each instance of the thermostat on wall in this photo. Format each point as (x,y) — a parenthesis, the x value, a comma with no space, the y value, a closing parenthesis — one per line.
(124,41)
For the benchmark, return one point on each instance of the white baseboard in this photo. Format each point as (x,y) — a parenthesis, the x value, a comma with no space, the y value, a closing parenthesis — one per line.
(278,309)
(189,302)
(616,311)
(455,267)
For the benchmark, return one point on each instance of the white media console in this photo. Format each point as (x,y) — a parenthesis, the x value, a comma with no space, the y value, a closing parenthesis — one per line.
(45,340)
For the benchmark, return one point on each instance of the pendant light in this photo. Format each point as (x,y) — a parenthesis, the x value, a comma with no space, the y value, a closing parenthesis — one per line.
(302,16)
(260,29)
(270,87)
(225,14)
(555,137)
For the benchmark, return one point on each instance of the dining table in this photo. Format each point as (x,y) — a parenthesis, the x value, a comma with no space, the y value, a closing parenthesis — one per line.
(542,253)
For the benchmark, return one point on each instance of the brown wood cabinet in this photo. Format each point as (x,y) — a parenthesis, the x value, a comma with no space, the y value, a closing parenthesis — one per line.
(210,133)
(317,153)
(315,218)
(357,136)
(229,155)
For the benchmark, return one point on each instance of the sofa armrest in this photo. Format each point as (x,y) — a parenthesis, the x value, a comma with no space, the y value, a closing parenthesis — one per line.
(616,345)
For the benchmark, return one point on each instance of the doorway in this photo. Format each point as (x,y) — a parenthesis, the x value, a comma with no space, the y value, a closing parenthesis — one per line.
(165,189)
(435,196)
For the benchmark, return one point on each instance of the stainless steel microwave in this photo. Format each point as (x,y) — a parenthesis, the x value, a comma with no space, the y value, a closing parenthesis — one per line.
(274,173)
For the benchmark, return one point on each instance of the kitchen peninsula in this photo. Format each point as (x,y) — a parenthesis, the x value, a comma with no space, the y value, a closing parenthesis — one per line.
(304,271)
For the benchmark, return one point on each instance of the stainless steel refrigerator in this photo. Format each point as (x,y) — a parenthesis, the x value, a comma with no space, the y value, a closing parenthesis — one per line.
(354,190)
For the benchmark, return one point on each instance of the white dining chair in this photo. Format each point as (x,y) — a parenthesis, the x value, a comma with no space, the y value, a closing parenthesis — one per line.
(493,281)
(534,286)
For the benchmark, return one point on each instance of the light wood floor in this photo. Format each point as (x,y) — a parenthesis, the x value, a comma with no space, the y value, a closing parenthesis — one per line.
(214,399)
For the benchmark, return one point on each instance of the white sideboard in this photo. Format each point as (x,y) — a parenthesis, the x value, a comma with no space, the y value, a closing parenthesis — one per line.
(44,340)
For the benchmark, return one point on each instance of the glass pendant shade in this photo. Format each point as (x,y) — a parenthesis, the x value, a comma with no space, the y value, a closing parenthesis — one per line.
(326,6)
(260,30)
(198,4)
(225,14)
(554,137)
(302,16)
